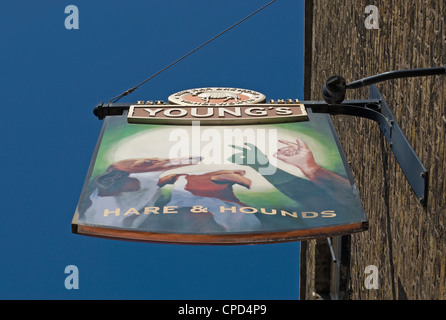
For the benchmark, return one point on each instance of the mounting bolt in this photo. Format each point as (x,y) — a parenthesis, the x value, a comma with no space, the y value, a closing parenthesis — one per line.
(334,89)
(99,111)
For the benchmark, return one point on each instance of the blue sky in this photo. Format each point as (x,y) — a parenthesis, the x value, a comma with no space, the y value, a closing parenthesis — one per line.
(52,78)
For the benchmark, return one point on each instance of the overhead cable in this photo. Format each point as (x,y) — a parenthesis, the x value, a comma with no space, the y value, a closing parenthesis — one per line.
(127,92)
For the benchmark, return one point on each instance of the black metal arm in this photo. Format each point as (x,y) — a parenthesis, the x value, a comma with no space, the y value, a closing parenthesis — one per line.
(335,86)
(395,75)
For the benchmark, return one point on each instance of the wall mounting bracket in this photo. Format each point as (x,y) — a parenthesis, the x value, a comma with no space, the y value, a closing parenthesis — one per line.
(413,168)
(376,108)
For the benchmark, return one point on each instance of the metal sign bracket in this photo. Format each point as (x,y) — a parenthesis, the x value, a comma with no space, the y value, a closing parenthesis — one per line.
(412,167)
(376,108)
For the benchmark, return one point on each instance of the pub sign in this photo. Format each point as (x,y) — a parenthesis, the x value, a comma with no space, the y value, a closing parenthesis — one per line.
(218,166)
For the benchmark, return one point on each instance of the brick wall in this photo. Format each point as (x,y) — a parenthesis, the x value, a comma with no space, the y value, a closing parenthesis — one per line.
(405,241)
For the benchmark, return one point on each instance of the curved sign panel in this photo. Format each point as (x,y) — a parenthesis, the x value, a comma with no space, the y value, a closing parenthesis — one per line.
(218,184)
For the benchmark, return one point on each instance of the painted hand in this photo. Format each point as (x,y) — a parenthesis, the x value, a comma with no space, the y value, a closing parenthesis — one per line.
(297,154)
(250,156)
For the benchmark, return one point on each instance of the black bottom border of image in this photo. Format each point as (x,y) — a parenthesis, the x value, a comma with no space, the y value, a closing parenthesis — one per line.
(218,309)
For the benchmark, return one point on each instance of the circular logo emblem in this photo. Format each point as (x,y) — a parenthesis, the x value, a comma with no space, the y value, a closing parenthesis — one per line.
(216,97)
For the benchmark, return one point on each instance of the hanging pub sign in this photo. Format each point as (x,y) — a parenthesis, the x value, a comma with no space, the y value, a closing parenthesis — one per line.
(182,172)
